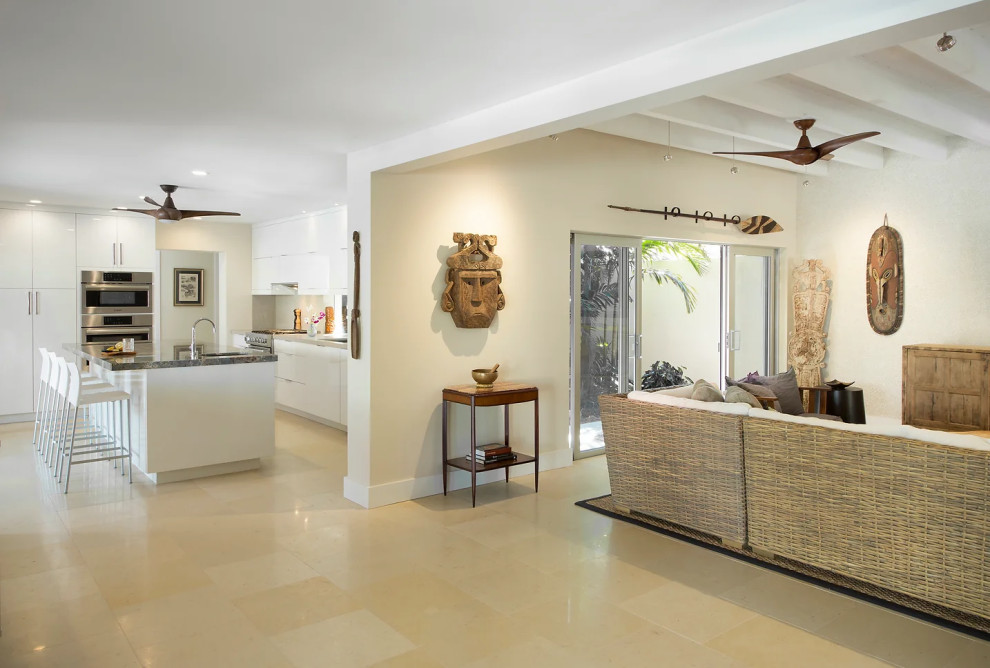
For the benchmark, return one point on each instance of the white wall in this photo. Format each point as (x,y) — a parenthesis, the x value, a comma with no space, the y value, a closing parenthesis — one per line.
(941,211)
(176,321)
(532,196)
(233,241)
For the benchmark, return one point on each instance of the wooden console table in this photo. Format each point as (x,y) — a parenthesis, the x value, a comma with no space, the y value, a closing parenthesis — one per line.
(503,394)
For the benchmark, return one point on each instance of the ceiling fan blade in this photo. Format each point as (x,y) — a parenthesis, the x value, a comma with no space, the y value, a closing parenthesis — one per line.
(831,145)
(148,212)
(151,201)
(786,155)
(195,214)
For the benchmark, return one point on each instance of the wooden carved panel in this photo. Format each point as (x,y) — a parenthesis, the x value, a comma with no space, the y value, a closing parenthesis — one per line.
(474,281)
(885,280)
(806,347)
(946,387)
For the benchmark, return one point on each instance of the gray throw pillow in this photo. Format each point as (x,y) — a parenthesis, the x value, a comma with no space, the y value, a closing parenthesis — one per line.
(705,391)
(736,394)
(784,386)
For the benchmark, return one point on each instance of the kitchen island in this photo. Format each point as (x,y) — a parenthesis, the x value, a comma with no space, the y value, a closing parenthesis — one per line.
(193,414)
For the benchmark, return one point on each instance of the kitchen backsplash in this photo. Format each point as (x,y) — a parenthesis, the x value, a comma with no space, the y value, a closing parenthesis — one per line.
(275,312)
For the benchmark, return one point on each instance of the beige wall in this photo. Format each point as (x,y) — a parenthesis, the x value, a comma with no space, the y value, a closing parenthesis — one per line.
(532,196)
(233,242)
(176,321)
(941,210)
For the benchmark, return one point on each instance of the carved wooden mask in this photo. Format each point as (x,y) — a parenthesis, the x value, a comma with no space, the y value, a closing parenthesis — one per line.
(885,280)
(474,281)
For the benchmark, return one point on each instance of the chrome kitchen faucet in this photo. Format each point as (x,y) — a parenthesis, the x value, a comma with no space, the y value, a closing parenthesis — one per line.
(192,346)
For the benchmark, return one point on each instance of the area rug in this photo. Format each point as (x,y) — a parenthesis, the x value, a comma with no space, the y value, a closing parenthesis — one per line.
(956,620)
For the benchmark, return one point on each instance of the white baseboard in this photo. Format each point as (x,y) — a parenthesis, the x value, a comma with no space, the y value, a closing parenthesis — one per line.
(414,488)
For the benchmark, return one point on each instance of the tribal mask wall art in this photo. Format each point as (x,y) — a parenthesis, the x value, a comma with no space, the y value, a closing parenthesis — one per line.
(885,280)
(474,281)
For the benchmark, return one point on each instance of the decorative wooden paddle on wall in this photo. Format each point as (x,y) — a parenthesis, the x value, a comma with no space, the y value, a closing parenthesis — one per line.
(754,225)
(355,330)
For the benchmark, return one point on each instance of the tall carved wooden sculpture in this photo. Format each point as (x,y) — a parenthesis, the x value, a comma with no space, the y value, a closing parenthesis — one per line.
(474,281)
(806,348)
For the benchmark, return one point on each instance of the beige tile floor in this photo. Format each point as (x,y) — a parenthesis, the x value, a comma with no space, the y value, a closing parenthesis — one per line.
(276,568)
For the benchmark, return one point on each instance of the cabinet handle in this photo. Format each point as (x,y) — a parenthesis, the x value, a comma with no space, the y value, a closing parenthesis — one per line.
(37,303)
(121,253)
(29,302)
(115,253)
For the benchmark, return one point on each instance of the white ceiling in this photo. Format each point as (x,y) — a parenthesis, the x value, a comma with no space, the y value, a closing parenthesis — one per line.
(101,100)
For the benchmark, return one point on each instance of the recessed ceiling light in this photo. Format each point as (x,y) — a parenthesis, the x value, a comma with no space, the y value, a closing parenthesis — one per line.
(200,172)
(34,201)
(304,210)
(32,205)
(336,203)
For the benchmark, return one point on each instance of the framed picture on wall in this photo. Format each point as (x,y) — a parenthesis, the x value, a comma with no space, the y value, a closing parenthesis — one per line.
(188,287)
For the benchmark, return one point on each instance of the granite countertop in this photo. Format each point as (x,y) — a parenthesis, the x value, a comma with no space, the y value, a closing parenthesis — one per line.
(168,355)
(318,340)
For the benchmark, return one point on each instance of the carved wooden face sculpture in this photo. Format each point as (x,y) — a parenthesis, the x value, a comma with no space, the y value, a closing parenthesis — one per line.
(474,279)
(885,281)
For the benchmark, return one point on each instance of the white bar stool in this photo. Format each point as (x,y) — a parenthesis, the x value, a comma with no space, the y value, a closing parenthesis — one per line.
(55,404)
(97,442)
(43,391)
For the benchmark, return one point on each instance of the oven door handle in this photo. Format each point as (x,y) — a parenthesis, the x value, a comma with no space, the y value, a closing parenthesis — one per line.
(116,286)
(116,330)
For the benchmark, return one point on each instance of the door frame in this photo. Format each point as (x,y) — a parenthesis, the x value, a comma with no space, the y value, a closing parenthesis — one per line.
(729,255)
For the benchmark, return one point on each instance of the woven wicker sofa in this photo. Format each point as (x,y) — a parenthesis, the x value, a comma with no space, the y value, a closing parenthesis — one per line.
(909,511)
(681,464)
(899,507)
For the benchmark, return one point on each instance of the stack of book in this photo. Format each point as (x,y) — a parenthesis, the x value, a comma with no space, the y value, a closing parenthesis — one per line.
(495,452)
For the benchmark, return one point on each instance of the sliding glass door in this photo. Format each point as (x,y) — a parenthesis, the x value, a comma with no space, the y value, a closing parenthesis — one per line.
(749,277)
(679,311)
(605,302)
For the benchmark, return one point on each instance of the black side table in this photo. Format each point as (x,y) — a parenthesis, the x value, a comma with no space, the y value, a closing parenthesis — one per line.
(847,404)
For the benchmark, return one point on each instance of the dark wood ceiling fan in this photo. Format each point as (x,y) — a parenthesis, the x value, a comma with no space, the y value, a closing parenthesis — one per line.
(805,153)
(168,213)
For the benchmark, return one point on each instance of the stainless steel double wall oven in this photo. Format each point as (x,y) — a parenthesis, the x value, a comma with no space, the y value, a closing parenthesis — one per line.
(115,305)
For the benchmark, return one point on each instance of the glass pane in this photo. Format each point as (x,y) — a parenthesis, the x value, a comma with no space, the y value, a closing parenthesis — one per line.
(605,334)
(682,313)
(748,333)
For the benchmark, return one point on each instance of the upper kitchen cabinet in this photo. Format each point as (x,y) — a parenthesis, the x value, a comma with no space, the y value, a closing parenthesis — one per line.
(107,242)
(15,249)
(308,250)
(54,250)
(37,249)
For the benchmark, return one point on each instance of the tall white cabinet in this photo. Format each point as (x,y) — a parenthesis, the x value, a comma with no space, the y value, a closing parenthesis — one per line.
(37,298)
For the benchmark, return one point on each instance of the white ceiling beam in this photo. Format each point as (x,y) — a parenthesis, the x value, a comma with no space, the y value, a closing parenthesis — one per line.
(896,80)
(723,118)
(654,130)
(790,97)
(969,59)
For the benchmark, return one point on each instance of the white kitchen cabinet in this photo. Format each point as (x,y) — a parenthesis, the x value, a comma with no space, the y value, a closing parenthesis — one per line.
(38,298)
(32,319)
(263,272)
(15,249)
(17,307)
(310,270)
(267,240)
(54,251)
(115,242)
(309,380)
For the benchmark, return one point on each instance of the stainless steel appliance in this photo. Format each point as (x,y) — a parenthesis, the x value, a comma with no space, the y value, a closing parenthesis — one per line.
(264,339)
(116,292)
(113,328)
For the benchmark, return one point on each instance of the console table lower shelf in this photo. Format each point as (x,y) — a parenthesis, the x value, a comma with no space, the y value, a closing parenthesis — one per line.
(502,394)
